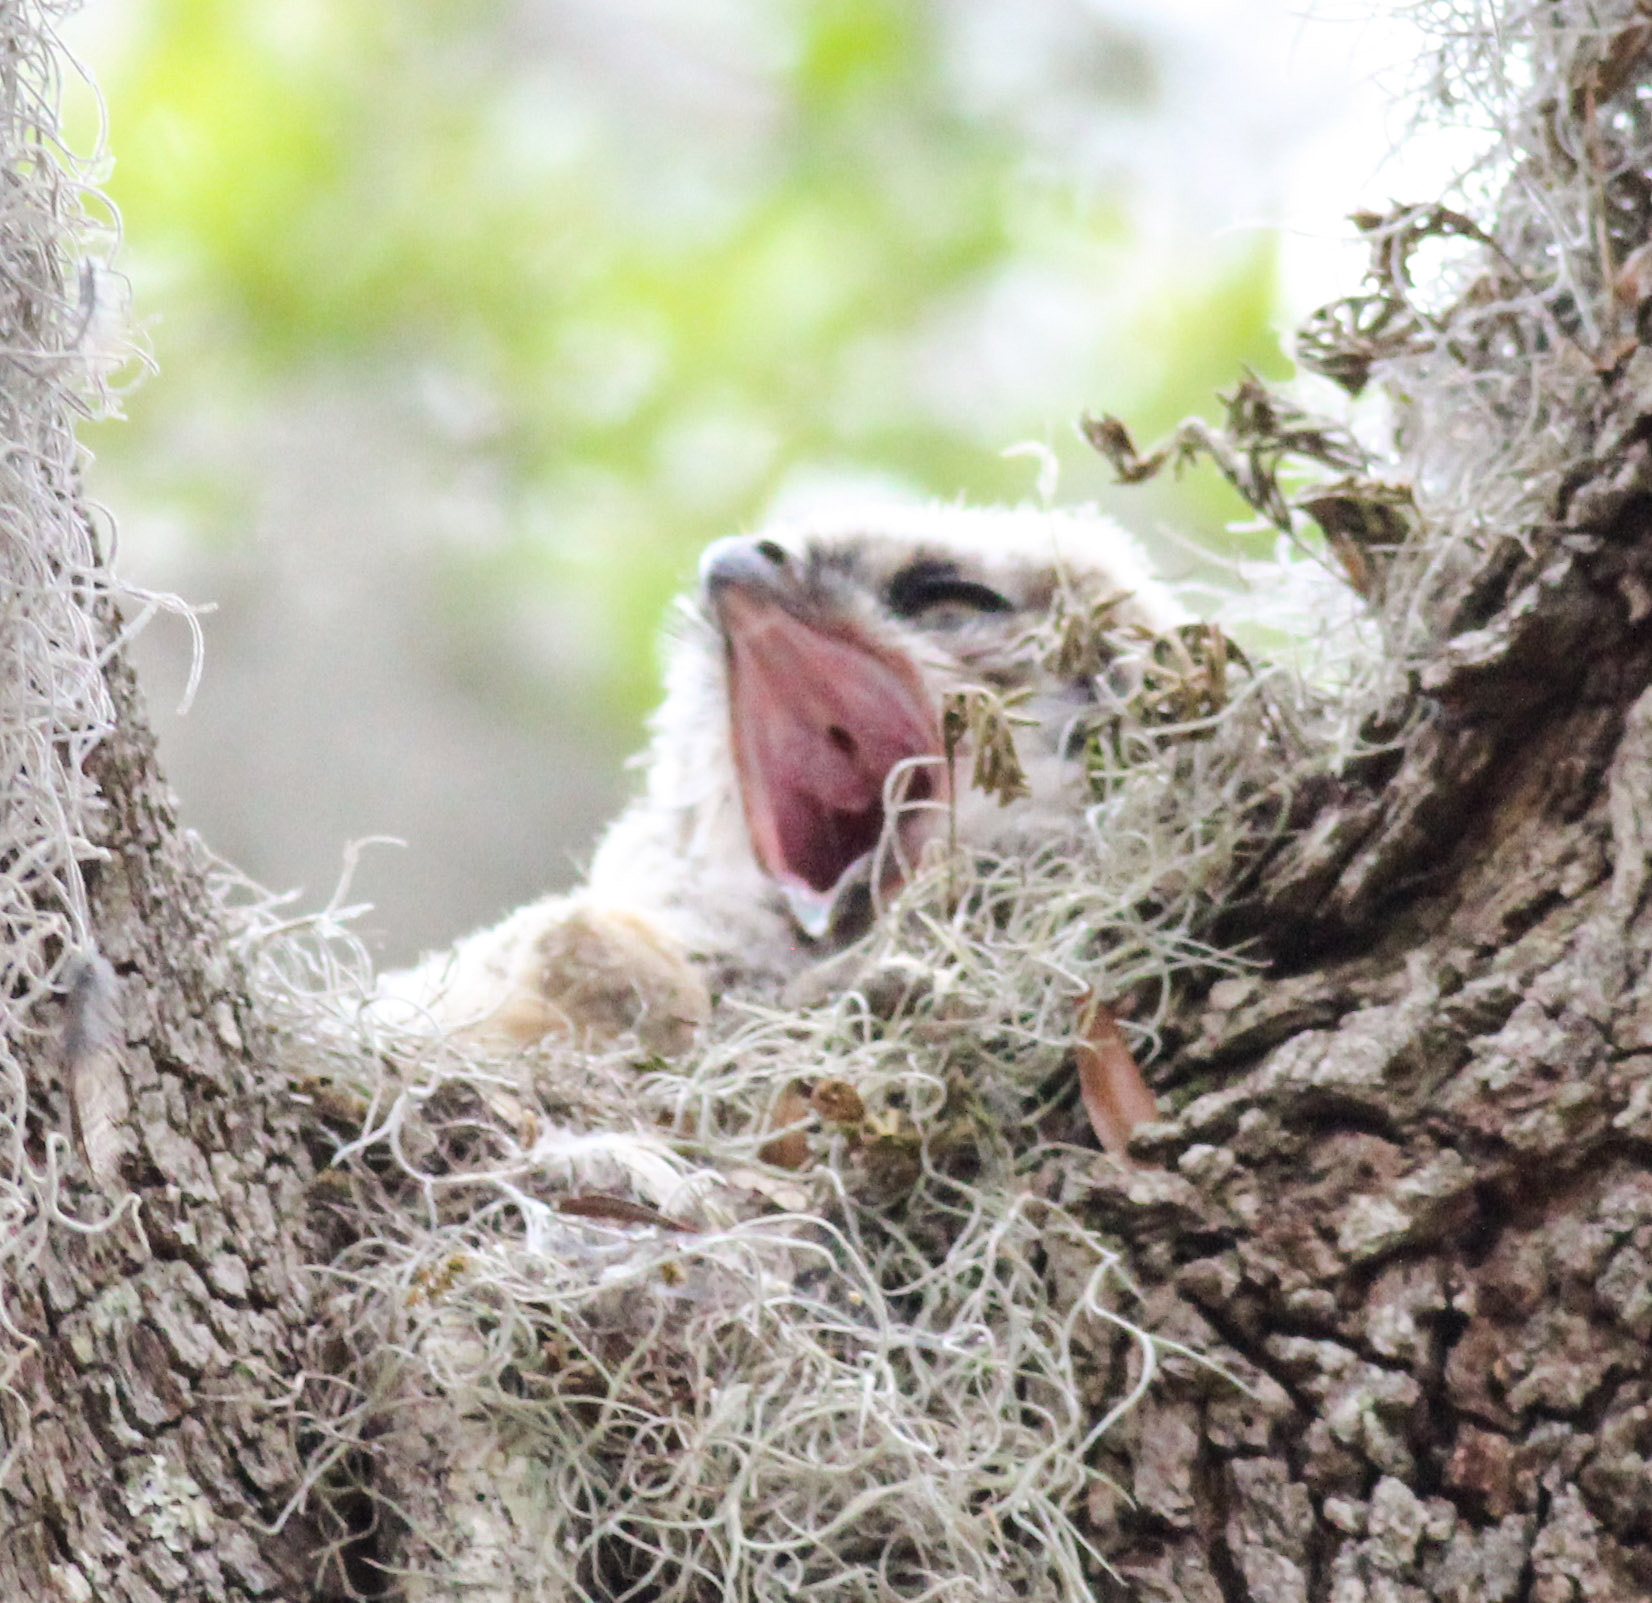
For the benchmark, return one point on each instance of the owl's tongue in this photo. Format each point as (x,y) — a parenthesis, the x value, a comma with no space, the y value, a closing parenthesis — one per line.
(820,719)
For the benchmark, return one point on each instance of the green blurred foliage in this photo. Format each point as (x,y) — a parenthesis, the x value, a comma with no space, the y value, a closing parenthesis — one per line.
(662,331)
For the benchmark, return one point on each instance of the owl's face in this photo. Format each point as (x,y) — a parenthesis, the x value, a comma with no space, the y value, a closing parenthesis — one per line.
(840,644)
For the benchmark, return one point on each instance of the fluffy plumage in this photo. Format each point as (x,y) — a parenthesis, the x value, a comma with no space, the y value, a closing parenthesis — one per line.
(798,762)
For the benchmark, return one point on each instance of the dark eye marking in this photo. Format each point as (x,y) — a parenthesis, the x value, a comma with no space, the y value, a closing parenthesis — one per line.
(922,585)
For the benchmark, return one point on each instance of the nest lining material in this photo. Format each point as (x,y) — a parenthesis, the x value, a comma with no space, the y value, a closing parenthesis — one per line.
(815,1307)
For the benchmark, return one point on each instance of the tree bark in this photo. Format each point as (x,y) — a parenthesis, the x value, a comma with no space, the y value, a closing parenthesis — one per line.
(154,1357)
(154,1298)
(1415,1221)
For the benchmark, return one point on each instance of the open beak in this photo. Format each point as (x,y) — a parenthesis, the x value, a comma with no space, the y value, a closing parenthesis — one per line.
(831,733)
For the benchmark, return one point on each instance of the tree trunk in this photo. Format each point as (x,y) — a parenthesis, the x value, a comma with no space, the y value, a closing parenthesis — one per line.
(1402,1216)
(157,1333)
(156,1309)
(1416,1222)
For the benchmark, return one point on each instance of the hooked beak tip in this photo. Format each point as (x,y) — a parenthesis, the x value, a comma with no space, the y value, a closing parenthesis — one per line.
(736,562)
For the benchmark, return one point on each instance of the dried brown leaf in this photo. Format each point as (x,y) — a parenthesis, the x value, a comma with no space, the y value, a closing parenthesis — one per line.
(618,1210)
(1364,522)
(985,722)
(1115,1095)
(1262,428)
(790,1149)
(838,1101)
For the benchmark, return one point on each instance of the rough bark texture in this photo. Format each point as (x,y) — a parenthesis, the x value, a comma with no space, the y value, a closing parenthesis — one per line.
(154,1453)
(154,1302)
(1413,1220)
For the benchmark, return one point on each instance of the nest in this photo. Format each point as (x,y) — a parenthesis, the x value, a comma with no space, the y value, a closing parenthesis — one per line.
(816,1307)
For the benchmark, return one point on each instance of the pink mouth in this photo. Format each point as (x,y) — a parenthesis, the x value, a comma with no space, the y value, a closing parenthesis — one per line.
(820,719)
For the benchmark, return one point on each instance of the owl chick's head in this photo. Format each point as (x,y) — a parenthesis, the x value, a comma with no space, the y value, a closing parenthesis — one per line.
(811,721)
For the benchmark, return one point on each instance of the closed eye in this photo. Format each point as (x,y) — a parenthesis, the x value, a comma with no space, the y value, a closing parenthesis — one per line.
(925,585)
